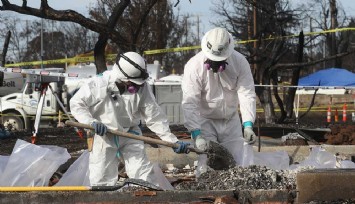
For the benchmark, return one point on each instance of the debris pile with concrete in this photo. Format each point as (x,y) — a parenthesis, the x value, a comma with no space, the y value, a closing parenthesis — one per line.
(341,135)
(244,178)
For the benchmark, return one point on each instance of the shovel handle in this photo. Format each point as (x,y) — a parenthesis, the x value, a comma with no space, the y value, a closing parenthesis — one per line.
(132,136)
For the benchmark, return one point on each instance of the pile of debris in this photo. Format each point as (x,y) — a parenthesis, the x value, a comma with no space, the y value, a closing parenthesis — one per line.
(341,135)
(244,178)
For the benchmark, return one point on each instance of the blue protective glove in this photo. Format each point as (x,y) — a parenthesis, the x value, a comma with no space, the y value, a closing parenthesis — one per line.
(182,147)
(100,128)
(249,135)
(133,132)
(199,142)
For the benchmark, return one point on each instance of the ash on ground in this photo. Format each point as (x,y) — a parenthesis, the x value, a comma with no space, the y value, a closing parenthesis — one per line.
(243,178)
(341,201)
(133,188)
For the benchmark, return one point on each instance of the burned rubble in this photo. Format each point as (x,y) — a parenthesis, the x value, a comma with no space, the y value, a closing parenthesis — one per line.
(243,178)
(233,179)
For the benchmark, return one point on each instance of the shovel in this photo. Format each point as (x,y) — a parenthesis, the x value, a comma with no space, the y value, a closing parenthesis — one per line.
(218,157)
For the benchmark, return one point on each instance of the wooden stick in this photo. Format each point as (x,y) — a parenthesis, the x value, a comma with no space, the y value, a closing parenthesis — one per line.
(135,137)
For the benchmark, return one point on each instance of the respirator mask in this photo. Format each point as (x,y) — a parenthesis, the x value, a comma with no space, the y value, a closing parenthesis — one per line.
(216,66)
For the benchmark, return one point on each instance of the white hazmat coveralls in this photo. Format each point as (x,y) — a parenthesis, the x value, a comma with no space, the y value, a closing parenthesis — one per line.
(210,101)
(143,106)
(99,100)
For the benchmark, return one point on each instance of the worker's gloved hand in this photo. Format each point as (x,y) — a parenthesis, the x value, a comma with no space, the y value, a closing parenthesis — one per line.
(199,142)
(183,147)
(100,128)
(249,135)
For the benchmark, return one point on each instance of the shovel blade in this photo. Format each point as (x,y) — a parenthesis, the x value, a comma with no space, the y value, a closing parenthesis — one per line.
(219,157)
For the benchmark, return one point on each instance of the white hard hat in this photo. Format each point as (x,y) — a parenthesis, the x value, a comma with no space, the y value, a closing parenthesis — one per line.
(130,66)
(217,44)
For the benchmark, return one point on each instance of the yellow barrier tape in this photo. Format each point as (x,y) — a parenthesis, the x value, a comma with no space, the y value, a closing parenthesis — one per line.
(112,57)
(158,51)
(109,57)
(179,49)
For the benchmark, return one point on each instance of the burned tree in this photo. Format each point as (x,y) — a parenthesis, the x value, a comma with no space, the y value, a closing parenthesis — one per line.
(109,28)
(3,55)
(262,23)
(270,26)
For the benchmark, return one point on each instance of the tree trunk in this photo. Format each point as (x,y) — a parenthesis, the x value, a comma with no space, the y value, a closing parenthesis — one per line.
(99,51)
(3,56)
(295,77)
(268,107)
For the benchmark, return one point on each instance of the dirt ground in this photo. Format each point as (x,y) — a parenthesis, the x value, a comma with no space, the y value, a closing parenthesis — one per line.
(66,137)
(248,178)
(341,134)
(63,137)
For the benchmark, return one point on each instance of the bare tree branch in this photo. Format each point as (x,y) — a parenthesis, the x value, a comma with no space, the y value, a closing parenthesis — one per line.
(142,20)
(63,15)
(99,50)
(294,65)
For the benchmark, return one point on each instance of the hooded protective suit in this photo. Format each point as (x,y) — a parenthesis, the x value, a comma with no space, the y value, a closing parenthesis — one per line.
(210,100)
(100,100)
(143,106)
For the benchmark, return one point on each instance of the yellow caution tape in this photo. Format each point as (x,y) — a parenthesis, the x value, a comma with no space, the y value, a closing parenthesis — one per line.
(179,49)
(109,57)
(112,57)
(150,52)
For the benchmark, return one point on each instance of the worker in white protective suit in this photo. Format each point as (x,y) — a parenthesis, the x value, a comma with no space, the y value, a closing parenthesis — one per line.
(216,81)
(99,103)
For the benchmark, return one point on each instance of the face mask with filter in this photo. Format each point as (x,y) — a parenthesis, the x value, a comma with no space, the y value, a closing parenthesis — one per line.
(216,66)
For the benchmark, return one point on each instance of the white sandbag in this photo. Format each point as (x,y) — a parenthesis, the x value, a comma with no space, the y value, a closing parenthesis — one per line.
(277,160)
(78,172)
(32,165)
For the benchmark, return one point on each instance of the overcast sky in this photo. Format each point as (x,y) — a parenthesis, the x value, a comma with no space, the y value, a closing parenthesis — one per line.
(199,8)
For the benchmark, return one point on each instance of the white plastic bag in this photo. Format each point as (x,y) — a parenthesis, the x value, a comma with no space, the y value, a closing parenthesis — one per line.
(32,165)
(3,162)
(161,179)
(319,159)
(277,160)
(241,151)
(78,172)
(347,164)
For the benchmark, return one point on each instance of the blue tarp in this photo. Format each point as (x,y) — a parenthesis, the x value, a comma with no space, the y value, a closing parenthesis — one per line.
(329,77)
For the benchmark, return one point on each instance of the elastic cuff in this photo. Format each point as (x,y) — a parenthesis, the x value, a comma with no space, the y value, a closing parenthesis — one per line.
(195,133)
(248,124)
(133,132)
(93,122)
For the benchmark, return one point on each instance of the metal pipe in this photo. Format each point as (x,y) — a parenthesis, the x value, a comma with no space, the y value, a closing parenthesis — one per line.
(59,188)
(44,188)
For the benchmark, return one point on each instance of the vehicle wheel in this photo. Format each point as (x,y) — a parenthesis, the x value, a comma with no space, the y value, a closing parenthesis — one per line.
(12,122)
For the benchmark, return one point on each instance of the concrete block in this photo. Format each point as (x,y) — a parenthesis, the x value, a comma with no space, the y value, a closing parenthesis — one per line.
(265,196)
(166,155)
(325,185)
